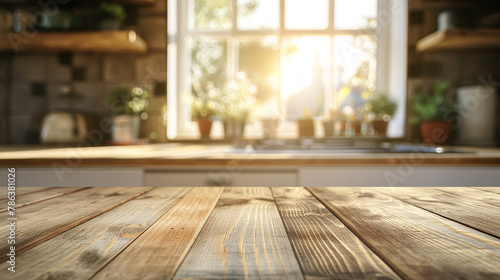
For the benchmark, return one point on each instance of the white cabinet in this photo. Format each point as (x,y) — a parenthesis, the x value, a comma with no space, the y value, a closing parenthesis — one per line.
(221,177)
(60,176)
(404,175)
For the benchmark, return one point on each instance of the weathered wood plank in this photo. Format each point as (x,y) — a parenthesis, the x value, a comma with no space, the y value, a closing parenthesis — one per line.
(484,196)
(414,242)
(35,197)
(79,252)
(244,238)
(159,251)
(20,191)
(326,249)
(489,189)
(463,209)
(42,221)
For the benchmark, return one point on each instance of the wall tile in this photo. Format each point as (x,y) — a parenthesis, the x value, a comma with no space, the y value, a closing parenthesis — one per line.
(29,68)
(119,68)
(3,98)
(57,71)
(21,125)
(23,101)
(3,129)
(154,31)
(150,70)
(5,67)
(92,64)
(94,97)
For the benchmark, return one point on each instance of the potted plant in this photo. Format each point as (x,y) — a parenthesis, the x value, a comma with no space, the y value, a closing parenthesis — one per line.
(127,105)
(110,16)
(383,108)
(233,104)
(202,111)
(305,125)
(434,111)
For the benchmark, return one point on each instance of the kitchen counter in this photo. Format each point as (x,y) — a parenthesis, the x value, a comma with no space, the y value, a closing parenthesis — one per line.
(253,233)
(177,154)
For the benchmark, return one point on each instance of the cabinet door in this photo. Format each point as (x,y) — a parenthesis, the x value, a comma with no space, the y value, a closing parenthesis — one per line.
(76,177)
(417,176)
(185,178)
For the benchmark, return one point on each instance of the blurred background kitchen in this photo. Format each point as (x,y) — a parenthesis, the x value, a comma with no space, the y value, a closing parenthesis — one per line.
(248,68)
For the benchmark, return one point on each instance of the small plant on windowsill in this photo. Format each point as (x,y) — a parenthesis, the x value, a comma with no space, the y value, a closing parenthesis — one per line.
(110,16)
(203,108)
(305,125)
(234,104)
(383,108)
(435,110)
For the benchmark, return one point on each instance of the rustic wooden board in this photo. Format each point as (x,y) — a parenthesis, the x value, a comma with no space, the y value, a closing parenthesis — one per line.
(39,196)
(123,41)
(489,189)
(465,209)
(414,242)
(79,252)
(42,221)
(482,195)
(159,251)
(244,238)
(20,191)
(326,249)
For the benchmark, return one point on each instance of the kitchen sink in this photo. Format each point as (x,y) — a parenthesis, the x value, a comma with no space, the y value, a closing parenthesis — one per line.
(333,146)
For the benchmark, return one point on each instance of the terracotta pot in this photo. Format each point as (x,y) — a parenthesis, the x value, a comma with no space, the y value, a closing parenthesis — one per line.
(234,129)
(380,126)
(204,127)
(436,132)
(306,128)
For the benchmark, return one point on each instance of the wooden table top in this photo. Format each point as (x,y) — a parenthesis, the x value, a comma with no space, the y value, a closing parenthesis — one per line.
(253,233)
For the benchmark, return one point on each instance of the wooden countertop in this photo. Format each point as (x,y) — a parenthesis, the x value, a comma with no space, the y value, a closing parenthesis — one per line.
(176,154)
(253,233)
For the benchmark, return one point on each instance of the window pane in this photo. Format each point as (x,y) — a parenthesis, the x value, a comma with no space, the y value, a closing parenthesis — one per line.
(355,14)
(311,14)
(207,62)
(259,58)
(355,66)
(258,14)
(304,75)
(210,15)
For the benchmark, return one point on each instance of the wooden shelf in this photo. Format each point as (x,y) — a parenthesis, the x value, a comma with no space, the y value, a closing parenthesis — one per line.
(460,39)
(125,41)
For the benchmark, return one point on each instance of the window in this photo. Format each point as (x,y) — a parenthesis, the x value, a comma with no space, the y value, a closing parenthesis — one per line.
(301,55)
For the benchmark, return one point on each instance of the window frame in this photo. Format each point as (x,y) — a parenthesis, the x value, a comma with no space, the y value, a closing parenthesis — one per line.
(179,124)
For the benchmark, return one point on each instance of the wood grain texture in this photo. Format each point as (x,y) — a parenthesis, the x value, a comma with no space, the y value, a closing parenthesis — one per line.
(42,195)
(475,193)
(42,221)
(489,189)
(79,252)
(463,208)
(244,238)
(414,242)
(123,41)
(326,249)
(20,191)
(225,160)
(159,251)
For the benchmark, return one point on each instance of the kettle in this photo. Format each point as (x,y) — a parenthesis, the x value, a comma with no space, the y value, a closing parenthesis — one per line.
(65,127)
